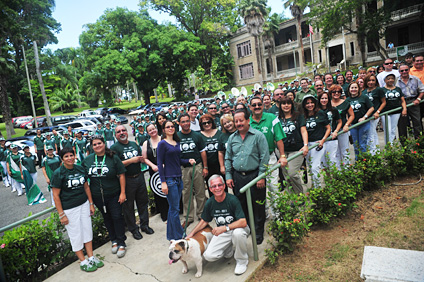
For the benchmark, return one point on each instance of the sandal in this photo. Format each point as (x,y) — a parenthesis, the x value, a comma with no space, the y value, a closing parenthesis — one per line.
(121,252)
(114,248)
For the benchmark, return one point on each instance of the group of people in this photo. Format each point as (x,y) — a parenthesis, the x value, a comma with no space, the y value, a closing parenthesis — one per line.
(201,150)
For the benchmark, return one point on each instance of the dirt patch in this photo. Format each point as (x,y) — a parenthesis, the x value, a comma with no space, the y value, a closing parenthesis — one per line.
(390,217)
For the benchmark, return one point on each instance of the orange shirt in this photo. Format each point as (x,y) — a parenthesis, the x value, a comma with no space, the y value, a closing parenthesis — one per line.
(417,73)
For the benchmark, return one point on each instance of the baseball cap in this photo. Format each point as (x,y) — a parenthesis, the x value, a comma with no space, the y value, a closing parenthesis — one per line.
(49,147)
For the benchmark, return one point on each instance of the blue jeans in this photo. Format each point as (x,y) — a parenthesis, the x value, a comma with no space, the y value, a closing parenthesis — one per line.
(113,218)
(174,230)
(360,138)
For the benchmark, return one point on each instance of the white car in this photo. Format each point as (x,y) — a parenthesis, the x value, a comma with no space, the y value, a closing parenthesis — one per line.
(82,124)
(89,113)
(22,143)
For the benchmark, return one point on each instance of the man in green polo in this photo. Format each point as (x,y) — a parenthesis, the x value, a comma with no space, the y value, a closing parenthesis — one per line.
(39,146)
(304,90)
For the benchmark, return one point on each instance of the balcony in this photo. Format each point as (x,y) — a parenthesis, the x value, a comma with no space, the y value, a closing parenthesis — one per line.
(409,12)
(414,48)
(288,47)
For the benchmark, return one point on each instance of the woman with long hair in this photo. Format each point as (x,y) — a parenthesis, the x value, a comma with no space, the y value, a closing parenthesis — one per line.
(169,166)
(228,127)
(160,119)
(341,80)
(296,140)
(149,152)
(75,207)
(318,127)
(107,185)
(345,111)
(210,135)
(331,147)
(378,99)
(394,99)
(362,109)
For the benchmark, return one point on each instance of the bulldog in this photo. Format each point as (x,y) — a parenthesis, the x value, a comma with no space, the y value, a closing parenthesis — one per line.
(191,249)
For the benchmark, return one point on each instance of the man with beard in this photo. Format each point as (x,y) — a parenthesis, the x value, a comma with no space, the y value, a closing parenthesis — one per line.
(135,185)
(246,157)
(275,109)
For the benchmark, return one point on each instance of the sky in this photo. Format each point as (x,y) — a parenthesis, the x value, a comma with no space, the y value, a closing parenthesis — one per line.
(72,15)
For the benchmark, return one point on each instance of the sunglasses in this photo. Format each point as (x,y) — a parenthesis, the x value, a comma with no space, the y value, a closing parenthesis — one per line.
(214,108)
(403,70)
(224,107)
(169,126)
(257,105)
(206,122)
(337,91)
(388,63)
(371,71)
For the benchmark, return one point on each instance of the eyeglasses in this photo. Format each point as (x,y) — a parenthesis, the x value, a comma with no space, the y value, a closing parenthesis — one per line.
(337,91)
(216,186)
(371,71)
(403,70)
(224,107)
(214,108)
(278,94)
(256,105)
(206,122)
(388,63)
(169,126)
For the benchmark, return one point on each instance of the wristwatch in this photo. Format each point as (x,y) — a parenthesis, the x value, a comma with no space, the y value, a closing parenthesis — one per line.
(227,227)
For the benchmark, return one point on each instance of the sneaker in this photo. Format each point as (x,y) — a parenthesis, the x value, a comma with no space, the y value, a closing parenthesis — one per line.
(114,248)
(19,194)
(121,252)
(88,267)
(95,261)
(14,190)
(240,268)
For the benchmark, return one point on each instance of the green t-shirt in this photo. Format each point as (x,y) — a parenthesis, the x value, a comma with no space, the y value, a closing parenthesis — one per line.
(224,213)
(343,108)
(393,100)
(333,117)
(315,125)
(3,152)
(191,145)
(29,162)
(273,110)
(50,142)
(16,158)
(71,185)
(141,137)
(270,126)
(39,142)
(222,141)
(109,134)
(51,164)
(126,152)
(57,139)
(360,106)
(66,143)
(212,148)
(375,97)
(293,142)
(103,175)
(99,132)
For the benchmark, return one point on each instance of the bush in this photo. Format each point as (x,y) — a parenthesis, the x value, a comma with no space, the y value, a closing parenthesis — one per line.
(34,250)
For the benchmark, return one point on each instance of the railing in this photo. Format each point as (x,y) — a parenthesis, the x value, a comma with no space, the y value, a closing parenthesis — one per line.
(246,188)
(414,48)
(407,12)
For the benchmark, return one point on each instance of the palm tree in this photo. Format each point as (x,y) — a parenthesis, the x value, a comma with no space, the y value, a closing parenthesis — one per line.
(65,99)
(272,26)
(296,8)
(254,13)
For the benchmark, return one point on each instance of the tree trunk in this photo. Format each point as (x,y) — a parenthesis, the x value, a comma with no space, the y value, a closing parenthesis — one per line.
(258,55)
(378,49)
(40,81)
(34,113)
(302,63)
(135,91)
(5,108)
(79,96)
(361,41)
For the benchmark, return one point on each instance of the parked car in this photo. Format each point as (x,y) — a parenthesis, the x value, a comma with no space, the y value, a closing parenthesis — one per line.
(93,119)
(116,111)
(101,111)
(90,113)
(83,124)
(123,119)
(21,120)
(31,133)
(62,119)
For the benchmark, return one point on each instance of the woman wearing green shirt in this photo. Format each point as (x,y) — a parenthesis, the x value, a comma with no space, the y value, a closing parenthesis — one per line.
(294,127)
(13,161)
(394,99)
(378,99)
(107,185)
(74,204)
(362,109)
(109,135)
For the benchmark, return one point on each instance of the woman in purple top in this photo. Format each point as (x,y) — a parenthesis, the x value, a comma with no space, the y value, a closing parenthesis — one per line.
(169,165)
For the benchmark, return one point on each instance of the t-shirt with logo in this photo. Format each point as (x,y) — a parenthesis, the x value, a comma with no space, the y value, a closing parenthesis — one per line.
(109,134)
(104,175)
(212,144)
(333,117)
(222,141)
(293,141)
(343,108)
(315,125)
(50,142)
(191,145)
(375,97)
(360,105)
(126,152)
(141,137)
(39,142)
(29,162)
(393,98)
(224,212)
(66,143)
(270,126)
(71,185)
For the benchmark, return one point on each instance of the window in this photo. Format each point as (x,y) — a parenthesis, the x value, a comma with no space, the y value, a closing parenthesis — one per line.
(320,56)
(246,71)
(244,49)
(352,49)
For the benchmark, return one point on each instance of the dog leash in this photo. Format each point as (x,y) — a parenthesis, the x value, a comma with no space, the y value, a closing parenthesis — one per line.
(189,202)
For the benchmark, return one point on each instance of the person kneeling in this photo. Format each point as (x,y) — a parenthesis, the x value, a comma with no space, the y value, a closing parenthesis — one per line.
(231,227)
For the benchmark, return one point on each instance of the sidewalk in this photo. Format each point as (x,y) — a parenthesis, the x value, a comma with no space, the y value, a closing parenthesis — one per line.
(147,260)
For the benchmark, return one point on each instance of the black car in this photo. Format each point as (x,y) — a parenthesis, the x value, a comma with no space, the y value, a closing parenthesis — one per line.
(57,120)
(102,111)
(116,111)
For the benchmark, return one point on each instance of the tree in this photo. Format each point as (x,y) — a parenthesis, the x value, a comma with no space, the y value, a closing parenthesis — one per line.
(66,99)
(296,8)
(271,27)
(254,13)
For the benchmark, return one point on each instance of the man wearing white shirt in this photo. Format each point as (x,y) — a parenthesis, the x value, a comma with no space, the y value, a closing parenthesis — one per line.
(388,69)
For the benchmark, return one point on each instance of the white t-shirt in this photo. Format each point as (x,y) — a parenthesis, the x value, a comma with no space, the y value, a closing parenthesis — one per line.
(382,75)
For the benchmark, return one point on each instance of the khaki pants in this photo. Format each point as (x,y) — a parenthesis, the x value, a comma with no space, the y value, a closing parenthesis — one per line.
(198,191)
